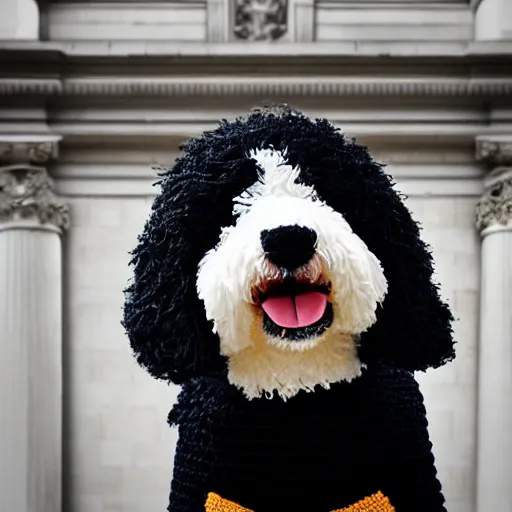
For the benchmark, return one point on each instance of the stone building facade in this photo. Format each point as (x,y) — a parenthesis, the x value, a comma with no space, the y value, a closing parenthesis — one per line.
(93,93)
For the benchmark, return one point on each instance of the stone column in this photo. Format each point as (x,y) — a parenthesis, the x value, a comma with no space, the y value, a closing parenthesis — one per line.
(494,221)
(31,221)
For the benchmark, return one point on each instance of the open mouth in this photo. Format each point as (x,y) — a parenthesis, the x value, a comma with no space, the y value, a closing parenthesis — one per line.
(295,310)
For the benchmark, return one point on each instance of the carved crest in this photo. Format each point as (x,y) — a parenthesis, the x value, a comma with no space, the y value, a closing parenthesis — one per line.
(260,20)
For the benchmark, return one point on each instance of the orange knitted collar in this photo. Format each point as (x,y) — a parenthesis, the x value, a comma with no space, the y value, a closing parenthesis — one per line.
(375,503)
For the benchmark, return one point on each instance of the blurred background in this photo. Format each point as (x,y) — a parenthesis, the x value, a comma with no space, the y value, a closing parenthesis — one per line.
(94,93)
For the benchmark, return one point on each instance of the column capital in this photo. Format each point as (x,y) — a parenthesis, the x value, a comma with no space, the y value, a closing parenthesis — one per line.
(27,197)
(494,151)
(494,210)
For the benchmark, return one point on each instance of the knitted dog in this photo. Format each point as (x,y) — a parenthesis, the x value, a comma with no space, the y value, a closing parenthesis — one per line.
(281,281)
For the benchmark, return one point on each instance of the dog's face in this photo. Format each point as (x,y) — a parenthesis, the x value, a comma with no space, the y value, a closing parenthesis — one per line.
(289,287)
(279,251)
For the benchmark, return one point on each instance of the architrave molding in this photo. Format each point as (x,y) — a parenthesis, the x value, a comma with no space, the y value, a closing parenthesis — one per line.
(184,50)
(258,86)
(158,69)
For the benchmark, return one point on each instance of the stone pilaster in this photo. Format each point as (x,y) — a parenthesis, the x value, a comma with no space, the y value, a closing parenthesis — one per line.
(494,221)
(31,221)
(493,20)
(19,19)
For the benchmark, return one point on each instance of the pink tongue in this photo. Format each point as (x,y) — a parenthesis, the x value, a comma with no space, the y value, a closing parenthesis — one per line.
(298,311)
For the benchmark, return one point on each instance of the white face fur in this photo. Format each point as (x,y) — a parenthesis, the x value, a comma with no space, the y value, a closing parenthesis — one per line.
(231,274)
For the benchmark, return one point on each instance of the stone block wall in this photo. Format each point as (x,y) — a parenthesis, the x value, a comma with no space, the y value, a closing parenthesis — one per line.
(118,448)
(169,21)
(345,21)
(215,21)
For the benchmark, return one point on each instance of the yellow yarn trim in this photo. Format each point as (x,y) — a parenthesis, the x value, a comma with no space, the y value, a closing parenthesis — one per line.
(214,503)
(375,503)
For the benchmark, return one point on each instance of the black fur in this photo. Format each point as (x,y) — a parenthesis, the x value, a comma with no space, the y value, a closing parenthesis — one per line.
(317,452)
(163,316)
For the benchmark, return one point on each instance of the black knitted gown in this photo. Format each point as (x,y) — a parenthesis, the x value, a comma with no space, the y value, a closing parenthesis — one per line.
(332,443)
(316,452)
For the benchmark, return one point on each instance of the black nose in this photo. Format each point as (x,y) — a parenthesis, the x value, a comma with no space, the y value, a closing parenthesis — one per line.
(289,247)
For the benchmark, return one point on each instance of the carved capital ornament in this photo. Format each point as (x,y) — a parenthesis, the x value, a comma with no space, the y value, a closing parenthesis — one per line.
(495,207)
(26,190)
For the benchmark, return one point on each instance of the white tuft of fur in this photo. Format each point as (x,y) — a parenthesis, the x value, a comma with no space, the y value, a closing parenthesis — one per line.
(263,369)
(227,274)
(276,178)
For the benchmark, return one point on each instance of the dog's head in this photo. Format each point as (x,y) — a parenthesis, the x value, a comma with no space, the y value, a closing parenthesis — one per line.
(279,250)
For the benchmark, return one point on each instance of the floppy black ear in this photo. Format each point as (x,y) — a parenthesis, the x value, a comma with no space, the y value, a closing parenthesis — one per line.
(413,329)
(164,319)
(414,326)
